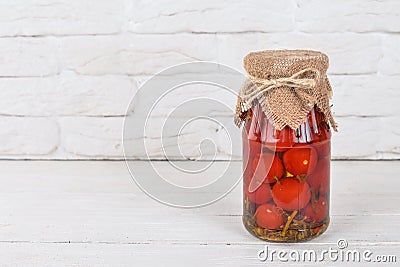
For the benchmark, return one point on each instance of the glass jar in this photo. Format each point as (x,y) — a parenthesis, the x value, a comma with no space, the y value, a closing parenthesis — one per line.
(286,176)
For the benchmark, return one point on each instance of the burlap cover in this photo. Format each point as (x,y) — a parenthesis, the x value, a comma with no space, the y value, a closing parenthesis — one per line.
(287,84)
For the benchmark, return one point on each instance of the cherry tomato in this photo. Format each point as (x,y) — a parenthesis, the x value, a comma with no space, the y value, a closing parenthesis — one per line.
(268,216)
(301,159)
(317,211)
(291,194)
(319,179)
(262,194)
(267,166)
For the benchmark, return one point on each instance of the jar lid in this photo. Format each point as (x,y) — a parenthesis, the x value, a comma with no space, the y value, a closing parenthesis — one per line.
(283,63)
(287,84)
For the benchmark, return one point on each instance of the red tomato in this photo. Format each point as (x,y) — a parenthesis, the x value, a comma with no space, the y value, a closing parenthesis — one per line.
(301,159)
(276,140)
(319,179)
(267,166)
(268,216)
(317,211)
(291,194)
(262,194)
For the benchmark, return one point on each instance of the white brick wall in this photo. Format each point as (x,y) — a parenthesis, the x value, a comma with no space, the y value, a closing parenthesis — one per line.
(68,69)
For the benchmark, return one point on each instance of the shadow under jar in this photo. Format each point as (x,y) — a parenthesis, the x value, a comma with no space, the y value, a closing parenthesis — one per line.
(286,177)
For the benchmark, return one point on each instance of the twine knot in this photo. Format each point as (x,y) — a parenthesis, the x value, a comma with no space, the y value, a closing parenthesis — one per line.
(294,81)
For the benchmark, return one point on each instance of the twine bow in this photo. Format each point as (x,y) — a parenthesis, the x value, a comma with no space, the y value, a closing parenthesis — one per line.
(264,85)
(293,95)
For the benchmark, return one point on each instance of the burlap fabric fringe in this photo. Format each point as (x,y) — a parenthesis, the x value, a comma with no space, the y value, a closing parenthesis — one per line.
(287,84)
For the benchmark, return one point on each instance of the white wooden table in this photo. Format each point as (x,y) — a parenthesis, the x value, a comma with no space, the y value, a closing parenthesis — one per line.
(90,213)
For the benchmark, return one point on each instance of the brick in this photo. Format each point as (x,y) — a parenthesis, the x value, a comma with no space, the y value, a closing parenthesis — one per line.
(389,143)
(135,54)
(66,95)
(366,95)
(28,57)
(349,53)
(348,15)
(50,17)
(390,63)
(91,137)
(211,16)
(357,138)
(28,137)
(171,97)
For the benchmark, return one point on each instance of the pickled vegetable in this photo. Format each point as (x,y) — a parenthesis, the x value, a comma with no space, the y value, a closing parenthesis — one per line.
(286,178)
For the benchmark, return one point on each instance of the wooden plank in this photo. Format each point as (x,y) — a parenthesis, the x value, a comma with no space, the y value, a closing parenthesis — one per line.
(156,254)
(90,213)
